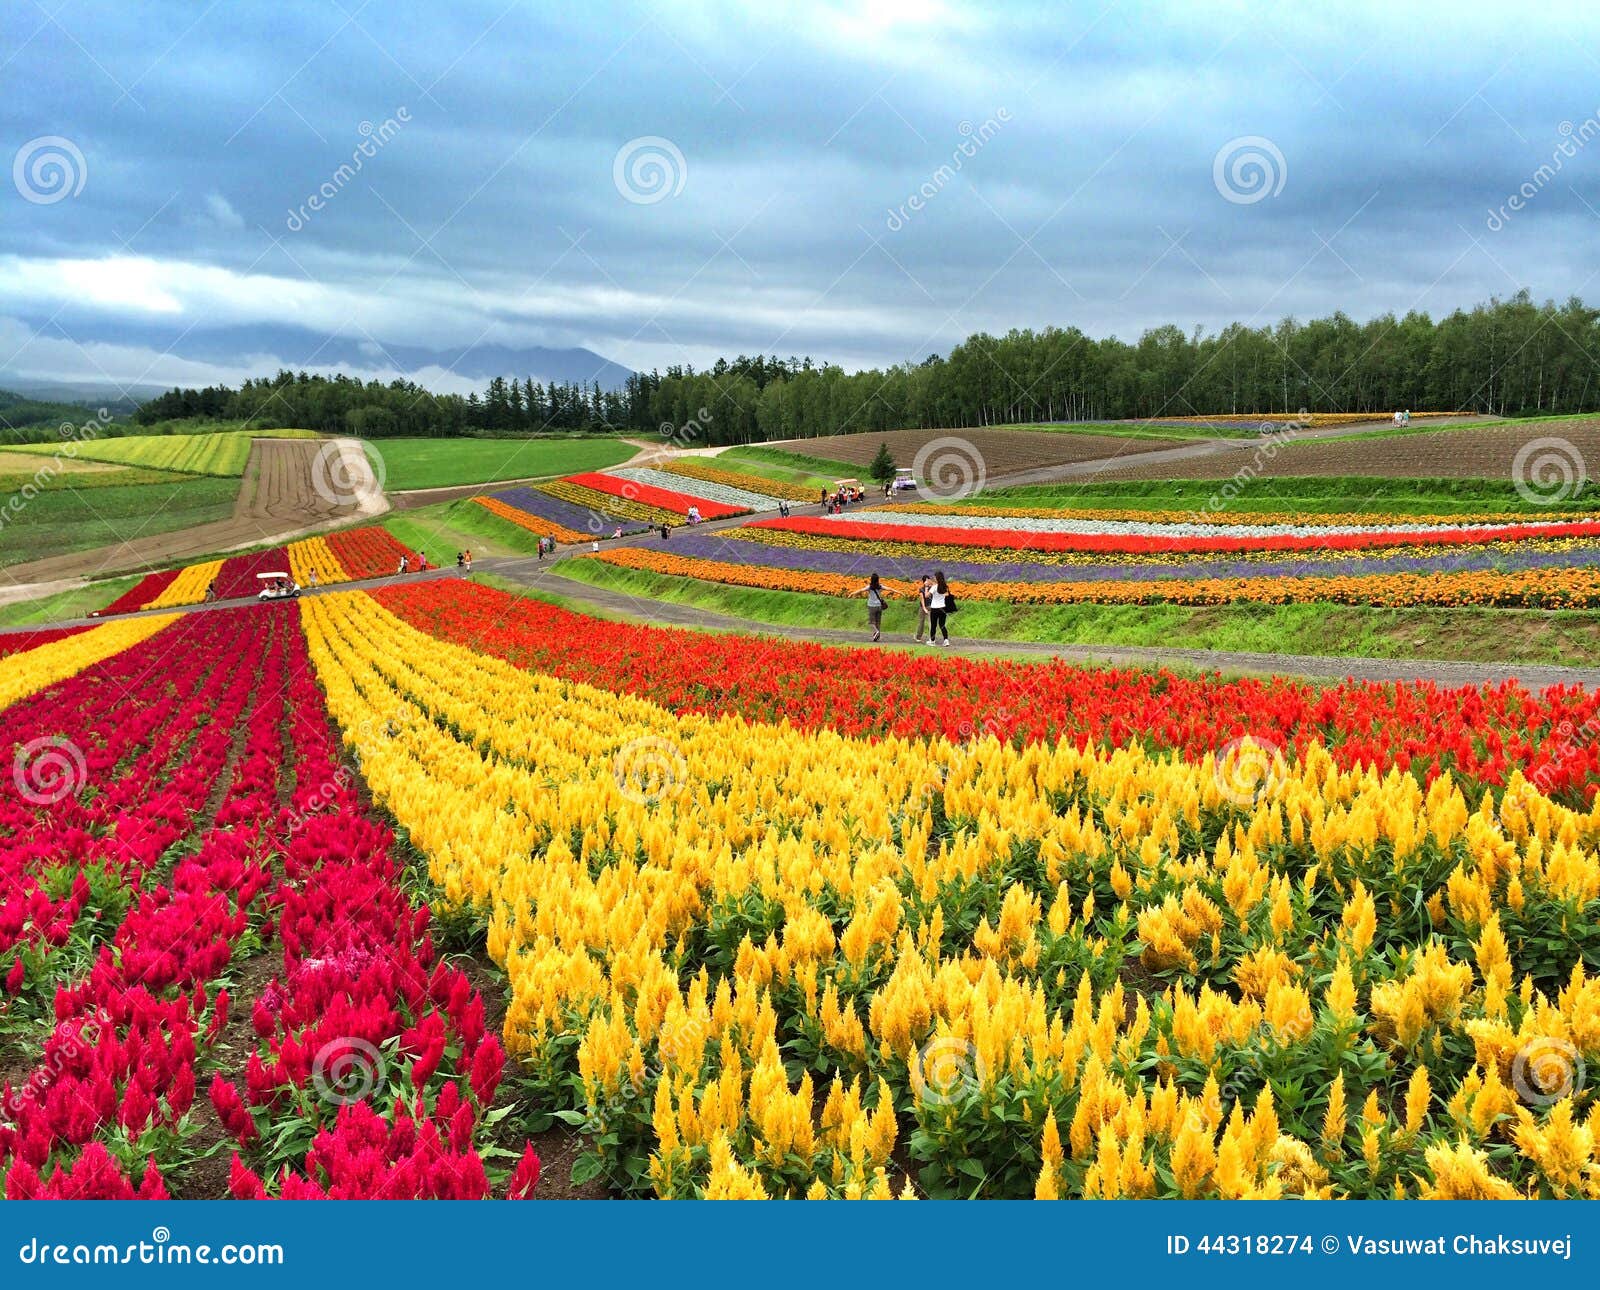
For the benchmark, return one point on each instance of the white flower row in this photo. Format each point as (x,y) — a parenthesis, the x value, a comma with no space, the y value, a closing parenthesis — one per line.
(1134,528)
(701,488)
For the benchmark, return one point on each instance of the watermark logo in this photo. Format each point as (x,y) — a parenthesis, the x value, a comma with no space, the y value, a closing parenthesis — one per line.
(346,1069)
(948,1071)
(373,139)
(1249,169)
(343,475)
(1549,471)
(649,169)
(1249,769)
(688,432)
(1546,1071)
(49,169)
(949,468)
(1574,138)
(974,138)
(48,769)
(650,770)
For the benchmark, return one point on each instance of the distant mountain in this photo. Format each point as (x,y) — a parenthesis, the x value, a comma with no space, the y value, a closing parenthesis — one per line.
(260,350)
(38,395)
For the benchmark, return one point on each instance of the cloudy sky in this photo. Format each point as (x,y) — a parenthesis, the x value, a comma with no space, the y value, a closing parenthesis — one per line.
(866,183)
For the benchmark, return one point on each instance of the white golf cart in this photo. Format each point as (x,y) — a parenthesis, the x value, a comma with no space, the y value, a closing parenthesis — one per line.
(903,480)
(277,586)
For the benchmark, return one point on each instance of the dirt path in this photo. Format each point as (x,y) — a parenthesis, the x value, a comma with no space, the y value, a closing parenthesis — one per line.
(291,487)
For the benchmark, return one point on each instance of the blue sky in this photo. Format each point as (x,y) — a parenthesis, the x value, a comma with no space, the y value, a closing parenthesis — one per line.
(865,183)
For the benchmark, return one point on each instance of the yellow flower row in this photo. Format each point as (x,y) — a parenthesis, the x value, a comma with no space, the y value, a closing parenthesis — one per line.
(189,587)
(35,669)
(314,553)
(719,926)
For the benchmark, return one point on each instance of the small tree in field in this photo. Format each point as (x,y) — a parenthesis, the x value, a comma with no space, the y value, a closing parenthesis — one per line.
(882,467)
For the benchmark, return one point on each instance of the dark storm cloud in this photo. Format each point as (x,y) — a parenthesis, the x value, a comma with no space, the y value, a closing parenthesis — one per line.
(863,183)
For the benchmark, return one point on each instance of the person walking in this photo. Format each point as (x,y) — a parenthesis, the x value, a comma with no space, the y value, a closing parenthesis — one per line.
(405,565)
(313,580)
(665,529)
(468,554)
(941,604)
(877,598)
(458,560)
(541,550)
(924,589)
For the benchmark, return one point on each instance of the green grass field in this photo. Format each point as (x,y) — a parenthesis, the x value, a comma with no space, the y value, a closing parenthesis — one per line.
(1295,495)
(1467,635)
(65,605)
(448,527)
(446,463)
(1423,427)
(219,452)
(63,518)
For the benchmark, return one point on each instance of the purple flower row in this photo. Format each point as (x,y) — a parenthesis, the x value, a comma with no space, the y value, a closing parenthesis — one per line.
(761,555)
(580,519)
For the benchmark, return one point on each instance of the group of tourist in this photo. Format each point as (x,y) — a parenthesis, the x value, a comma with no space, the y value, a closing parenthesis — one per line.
(935,603)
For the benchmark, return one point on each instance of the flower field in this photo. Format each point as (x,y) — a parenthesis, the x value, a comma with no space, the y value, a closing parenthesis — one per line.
(673,500)
(369,552)
(768,918)
(999,968)
(1055,557)
(689,468)
(207,953)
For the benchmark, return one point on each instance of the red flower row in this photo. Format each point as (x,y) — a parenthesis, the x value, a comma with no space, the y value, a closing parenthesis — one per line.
(1481,735)
(367,552)
(15,642)
(1133,544)
(142,592)
(665,498)
(204,720)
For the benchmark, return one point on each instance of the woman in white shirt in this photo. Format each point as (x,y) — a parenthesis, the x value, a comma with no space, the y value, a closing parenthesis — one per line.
(939,600)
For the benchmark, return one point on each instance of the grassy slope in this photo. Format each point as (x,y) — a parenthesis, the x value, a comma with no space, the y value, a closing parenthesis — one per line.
(1292,494)
(448,527)
(1472,635)
(65,605)
(790,467)
(442,463)
(61,519)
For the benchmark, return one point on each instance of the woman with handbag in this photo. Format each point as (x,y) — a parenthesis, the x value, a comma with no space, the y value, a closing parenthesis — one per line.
(877,598)
(941,604)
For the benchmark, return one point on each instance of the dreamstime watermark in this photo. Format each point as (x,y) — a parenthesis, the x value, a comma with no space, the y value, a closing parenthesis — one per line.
(346,475)
(948,1071)
(373,139)
(1546,1071)
(54,465)
(649,770)
(1249,770)
(346,1069)
(949,469)
(160,1250)
(1548,471)
(973,140)
(48,769)
(1249,169)
(649,169)
(1567,744)
(689,432)
(49,169)
(1573,140)
(1275,436)
(70,1041)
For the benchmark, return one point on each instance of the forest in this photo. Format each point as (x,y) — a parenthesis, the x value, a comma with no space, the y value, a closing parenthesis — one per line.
(1505,357)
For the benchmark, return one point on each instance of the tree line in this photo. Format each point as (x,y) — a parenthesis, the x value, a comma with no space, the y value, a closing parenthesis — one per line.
(1506,357)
